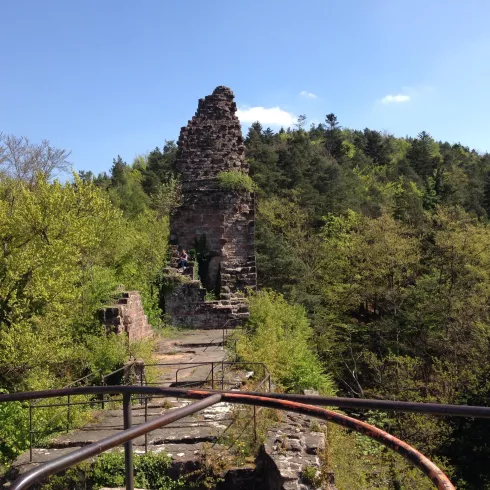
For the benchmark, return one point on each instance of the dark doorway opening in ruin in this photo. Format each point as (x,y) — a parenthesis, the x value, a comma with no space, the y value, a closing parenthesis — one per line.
(203,258)
(208,265)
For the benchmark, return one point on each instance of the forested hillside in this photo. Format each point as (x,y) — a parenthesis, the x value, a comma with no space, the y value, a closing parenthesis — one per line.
(384,241)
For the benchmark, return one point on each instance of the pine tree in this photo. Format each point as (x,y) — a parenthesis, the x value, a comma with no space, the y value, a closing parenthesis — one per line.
(118,170)
(333,140)
(375,147)
(422,155)
(486,194)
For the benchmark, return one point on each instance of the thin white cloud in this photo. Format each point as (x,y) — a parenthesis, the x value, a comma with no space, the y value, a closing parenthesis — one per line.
(395,99)
(273,116)
(307,95)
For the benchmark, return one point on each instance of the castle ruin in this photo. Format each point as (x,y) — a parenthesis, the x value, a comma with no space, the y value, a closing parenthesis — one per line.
(215,223)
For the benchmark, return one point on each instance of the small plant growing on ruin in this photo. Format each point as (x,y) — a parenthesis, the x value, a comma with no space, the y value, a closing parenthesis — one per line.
(236,180)
(211,296)
(309,475)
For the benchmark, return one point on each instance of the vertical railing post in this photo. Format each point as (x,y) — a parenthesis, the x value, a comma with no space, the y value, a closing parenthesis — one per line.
(146,420)
(128,446)
(222,375)
(103,394)
(31,432)
(142,369)
(68,414)
(255,424)
(212,375)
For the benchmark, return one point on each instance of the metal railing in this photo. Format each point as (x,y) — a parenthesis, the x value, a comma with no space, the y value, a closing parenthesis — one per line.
(215,377)
(70,403)
(131,378)
(211,377)
(37,405)
(266,380)
(207,398)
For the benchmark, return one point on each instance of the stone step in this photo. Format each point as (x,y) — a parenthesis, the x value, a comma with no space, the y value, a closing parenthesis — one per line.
(185,433)
(242,315)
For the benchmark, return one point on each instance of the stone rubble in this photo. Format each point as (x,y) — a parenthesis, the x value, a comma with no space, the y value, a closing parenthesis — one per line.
(289,448)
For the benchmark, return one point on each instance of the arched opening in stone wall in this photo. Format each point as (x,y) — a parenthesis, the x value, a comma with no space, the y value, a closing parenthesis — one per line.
(208,265)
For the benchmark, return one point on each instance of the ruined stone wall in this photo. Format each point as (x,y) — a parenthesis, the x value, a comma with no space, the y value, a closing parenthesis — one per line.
(223,219)
(127,317)
(211,142)
(218,223)
(187,306)
(290,447)
(227,220)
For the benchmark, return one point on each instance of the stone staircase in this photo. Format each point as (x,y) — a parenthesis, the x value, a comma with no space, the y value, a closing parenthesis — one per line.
(237,277)
(174,258)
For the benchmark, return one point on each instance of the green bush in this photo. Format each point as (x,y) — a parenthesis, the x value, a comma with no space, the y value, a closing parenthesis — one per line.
(236,180)
(14,430)
(106,353)
(150,471)
(278,334)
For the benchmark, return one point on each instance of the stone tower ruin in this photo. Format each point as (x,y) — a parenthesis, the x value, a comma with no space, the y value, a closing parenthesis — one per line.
(215,223)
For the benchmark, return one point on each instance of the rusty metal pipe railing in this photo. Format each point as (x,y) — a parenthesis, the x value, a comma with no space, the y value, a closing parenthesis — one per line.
(439,409)
(273,398)
(437,476)
(328,401)
(59,464)
(255,411)
(128,445)
(412,455)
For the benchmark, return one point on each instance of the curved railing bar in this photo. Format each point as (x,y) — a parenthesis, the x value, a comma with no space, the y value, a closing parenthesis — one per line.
(437,476)
(331,401)
(39,473)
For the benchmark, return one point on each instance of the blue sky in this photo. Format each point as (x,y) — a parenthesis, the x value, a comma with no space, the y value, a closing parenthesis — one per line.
(110,77)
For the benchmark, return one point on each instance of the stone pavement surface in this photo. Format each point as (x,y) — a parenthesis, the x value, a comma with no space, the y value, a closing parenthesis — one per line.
(194,346)
(182,439)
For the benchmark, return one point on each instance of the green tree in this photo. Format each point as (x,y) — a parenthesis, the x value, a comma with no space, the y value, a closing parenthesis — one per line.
(423,155)
(279,335)
(160,167)
(375,147)
(332,136)
(486,194)
(126,190)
